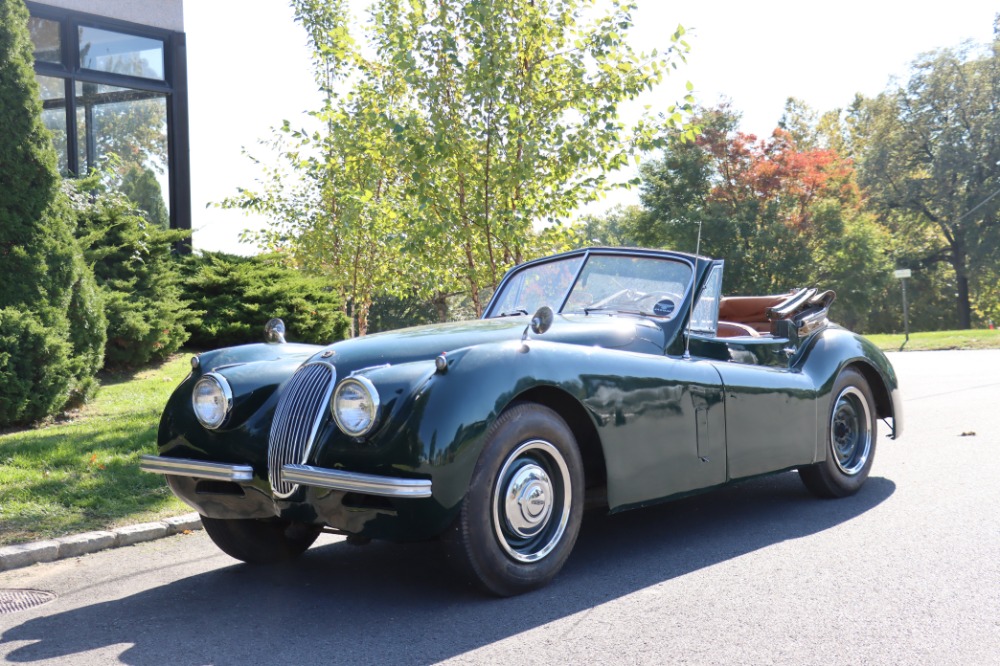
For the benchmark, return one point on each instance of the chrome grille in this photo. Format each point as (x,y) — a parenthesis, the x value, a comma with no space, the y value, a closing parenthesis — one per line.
(297,418)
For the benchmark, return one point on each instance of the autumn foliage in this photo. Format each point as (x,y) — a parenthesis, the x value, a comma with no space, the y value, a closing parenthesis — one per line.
(782,217)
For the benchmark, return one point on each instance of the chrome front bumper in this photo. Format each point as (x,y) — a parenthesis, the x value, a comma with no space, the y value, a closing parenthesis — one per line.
(306,475)
(368,484)
(196,468)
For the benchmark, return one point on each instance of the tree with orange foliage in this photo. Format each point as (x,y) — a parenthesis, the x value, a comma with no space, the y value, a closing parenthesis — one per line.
(781,217)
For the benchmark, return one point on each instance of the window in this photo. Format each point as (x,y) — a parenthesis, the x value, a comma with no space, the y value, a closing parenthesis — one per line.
(107,51)
(46,38)
(53,91)
(705,318)
(114,93)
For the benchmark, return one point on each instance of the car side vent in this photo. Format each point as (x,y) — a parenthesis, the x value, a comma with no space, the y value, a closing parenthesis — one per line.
(300,411)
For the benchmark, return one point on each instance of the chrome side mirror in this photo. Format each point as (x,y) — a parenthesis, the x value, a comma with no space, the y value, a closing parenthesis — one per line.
(540,322)
(274,331)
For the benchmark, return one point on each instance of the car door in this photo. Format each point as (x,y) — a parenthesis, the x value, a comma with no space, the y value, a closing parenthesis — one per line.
(662,426)
(770,406)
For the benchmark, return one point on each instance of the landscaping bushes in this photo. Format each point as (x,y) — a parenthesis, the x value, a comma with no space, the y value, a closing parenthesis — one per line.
(52,326)
(239,294)
(138,273)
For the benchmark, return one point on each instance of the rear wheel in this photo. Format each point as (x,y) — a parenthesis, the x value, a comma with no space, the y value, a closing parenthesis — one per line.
(850,440)
(521,515)
(260,541)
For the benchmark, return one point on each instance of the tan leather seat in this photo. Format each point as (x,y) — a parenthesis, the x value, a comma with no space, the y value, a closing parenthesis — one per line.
(749,310)
(731,329)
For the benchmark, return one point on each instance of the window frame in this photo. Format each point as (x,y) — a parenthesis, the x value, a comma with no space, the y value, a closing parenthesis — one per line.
(173,87)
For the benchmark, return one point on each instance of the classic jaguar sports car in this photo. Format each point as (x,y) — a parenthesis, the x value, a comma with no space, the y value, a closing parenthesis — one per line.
(619,375)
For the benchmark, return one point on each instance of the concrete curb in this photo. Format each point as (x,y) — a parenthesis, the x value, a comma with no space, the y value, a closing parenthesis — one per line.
(26,554)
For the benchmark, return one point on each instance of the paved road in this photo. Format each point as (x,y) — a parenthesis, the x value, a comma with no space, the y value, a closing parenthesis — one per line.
(906,572)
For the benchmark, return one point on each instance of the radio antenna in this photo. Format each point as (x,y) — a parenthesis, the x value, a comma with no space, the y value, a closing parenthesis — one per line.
(697,251)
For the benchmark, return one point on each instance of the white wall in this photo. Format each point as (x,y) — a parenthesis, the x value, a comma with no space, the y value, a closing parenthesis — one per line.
(167,14)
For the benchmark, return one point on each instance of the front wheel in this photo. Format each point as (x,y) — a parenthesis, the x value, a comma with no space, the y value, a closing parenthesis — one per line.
(521,515)
(850,436)
(260,541)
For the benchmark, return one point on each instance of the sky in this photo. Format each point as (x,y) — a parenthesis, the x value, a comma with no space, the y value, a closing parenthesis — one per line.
(248,70)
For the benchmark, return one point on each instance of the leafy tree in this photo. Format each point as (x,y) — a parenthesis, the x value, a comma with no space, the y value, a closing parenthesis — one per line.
(620,226)
(801,123)
(781,217)
(463,125)
(52,323)
(931,166)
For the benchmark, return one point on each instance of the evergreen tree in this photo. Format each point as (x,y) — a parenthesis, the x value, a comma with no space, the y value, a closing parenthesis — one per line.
(52,324)
(138,273)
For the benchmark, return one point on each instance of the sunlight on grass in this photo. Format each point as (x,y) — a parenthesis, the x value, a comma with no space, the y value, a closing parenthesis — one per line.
(83,474)
(939,340)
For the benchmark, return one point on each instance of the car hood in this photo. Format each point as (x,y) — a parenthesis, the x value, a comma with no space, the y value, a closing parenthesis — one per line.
(426,342)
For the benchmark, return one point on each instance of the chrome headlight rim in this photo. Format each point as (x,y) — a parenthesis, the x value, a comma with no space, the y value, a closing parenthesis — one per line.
(373,411)
(227,400)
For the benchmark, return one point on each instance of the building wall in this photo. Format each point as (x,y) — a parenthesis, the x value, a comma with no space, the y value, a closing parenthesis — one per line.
(168,14)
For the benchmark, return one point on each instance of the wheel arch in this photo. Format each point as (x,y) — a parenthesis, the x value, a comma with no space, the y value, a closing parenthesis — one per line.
(878,386)
(579,422)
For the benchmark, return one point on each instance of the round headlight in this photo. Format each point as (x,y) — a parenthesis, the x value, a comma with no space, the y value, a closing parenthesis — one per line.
(212,399)
(355,406)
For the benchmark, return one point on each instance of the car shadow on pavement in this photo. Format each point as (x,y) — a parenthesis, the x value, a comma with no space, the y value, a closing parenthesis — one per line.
(386,603)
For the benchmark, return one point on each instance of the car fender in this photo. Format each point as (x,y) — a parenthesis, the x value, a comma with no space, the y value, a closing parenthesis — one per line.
(833,349)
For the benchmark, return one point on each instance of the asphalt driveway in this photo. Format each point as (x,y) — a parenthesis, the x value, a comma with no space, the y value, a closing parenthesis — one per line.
(905,572)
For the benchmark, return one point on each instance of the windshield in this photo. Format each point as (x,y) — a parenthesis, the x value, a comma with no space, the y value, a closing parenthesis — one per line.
(642,285)
(535,286)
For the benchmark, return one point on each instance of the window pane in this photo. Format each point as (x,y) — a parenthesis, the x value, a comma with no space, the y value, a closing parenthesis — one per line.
(132,125)
(531,288)
(705,318)
(45,37)
(53,91)
(120,53)
(630,284)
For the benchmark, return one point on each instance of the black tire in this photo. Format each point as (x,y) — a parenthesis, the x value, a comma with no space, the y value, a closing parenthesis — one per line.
(850,437)
(260,541)
(521,515)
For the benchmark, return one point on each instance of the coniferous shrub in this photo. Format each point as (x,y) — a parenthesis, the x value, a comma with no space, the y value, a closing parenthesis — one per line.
(138,273)
(239,295)
(35,368)
(53,328)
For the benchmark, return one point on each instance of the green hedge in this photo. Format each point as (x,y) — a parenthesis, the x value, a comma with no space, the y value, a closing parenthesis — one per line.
(139,274)
(239,294)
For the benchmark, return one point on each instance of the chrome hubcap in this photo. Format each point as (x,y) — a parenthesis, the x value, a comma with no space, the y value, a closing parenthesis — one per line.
(531,501)
(851,431)
(528,500)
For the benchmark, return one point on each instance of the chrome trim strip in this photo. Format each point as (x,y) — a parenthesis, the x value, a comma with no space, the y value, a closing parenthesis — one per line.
(369,484)
(195,468)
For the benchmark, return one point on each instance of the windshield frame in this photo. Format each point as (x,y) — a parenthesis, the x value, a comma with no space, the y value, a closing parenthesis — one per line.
(492,309)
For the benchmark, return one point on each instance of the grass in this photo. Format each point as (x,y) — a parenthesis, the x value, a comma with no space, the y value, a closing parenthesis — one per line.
(82,474)
(939,340)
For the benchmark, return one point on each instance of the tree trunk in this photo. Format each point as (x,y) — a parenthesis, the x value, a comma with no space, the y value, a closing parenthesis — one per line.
(960,264)
(964,307)
(362,313)
(441,305)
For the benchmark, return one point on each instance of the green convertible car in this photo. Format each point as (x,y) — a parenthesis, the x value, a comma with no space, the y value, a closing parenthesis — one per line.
(622,376)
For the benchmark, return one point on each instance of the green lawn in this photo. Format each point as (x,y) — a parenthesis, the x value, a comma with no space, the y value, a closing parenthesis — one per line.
(83,474)
(937,340)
